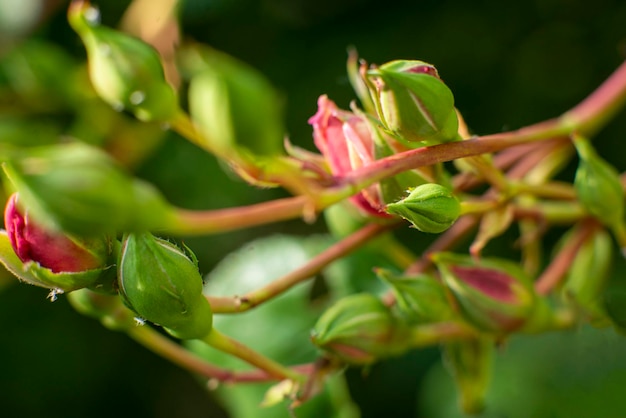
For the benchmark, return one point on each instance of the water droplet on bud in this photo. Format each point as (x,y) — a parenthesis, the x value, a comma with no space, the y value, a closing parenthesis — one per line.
(137,97)
(92,15)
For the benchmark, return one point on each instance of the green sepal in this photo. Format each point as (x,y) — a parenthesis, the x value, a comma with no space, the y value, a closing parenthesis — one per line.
(419,298)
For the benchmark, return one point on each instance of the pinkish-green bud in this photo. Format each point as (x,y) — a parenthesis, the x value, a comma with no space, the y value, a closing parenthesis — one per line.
(413,103)
(359,329)
(51,258)
(125,72)
(162,285)
(429,207)
(54,250)
(492,294)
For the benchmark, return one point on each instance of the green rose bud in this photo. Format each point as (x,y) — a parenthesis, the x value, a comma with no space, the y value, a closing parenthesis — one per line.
(125,71)
(599,188)
(108,309)
(470,364)
(159,282)
(234,105)
(79,189)
(588,275)
(413,103)
(359,329)
(420,298)
(494,295)
(429,207)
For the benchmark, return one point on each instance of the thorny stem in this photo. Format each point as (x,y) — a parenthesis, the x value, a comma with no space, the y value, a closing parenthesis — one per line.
(178,355)
(256,297)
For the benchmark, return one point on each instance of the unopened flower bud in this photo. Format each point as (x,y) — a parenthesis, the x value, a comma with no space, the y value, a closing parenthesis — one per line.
(588,275)
(233,104)
(125,71)
(54,250)
(163,285)
(413,103)
(470,363)
(51,258)
(80,189)
(429,207)
(492,294)
(598,186)
(359,329)
(419,298)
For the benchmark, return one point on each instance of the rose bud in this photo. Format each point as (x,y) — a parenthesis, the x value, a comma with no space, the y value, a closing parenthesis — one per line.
(233,104)
(429,207)
(419,298)
(126,72)
(585,290)
(359,329)
(413,103)
(78,188)
(599,188)
(51,258)
(163,285)
(492,294)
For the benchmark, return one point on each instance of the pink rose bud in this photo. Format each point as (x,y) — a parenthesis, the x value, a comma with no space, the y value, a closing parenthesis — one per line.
(346,142)
(51,249)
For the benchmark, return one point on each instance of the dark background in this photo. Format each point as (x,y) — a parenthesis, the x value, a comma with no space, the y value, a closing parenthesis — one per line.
(508,64)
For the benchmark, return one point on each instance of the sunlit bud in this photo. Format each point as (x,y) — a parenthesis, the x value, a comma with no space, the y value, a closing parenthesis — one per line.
(345,140)
(99,279)
(492,294)
(233,104)
(419,298)
(359,329)
(413,103)
(50,258)
(162,285)
(125,71)
(79,189)
(470,363)
(429,207)
(54,250)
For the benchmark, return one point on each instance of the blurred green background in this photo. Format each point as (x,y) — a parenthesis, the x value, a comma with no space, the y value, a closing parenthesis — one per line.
(508,63)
